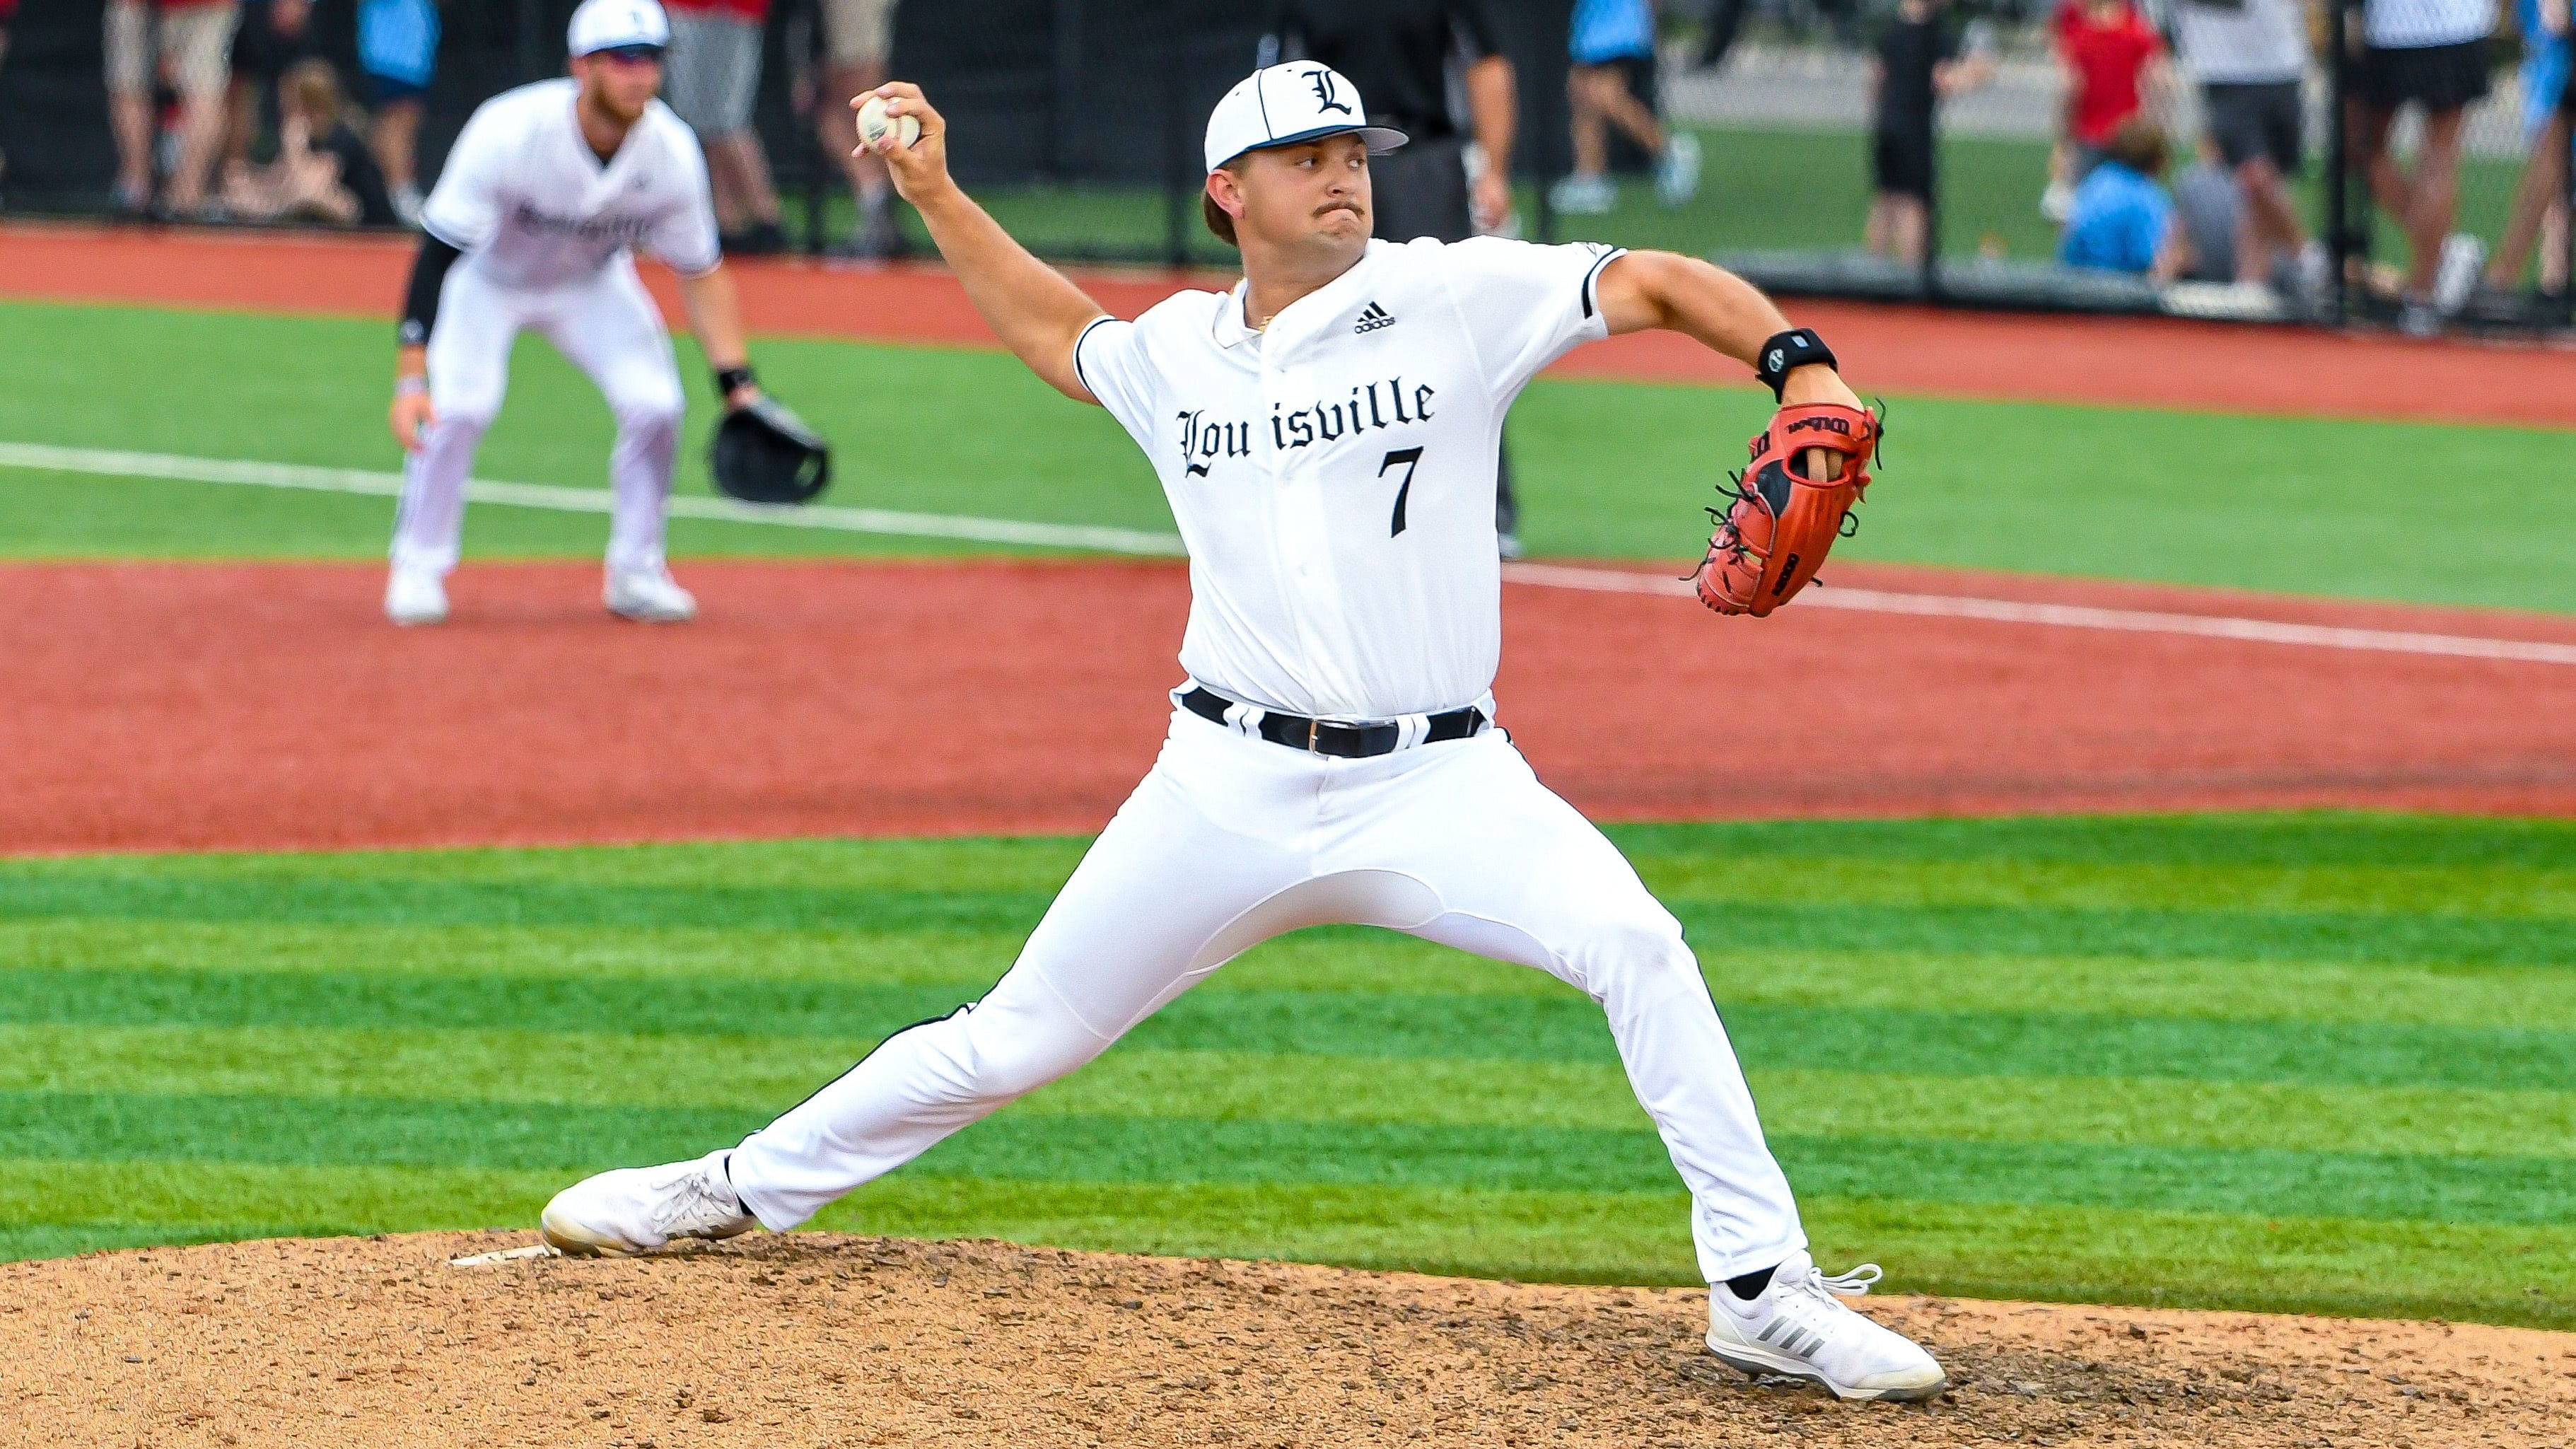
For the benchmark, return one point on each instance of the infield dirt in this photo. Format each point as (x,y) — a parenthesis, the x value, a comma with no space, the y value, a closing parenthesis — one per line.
(815,1340)
(269,707)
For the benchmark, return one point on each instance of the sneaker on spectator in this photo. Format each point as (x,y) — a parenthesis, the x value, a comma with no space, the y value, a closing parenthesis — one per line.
(133,200)
(1584,195)
(2057,202)
(2313,270)
(2417,317)
(1677,170)
(879,238)
(406,199)
(2464,257)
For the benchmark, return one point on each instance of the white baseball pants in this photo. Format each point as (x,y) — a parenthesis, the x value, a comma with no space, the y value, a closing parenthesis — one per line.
(1232,840)
(608,327)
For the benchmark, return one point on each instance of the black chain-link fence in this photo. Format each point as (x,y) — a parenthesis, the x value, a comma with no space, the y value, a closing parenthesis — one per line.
(1077,122)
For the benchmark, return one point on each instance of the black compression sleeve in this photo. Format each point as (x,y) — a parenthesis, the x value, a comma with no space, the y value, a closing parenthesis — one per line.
(420,304)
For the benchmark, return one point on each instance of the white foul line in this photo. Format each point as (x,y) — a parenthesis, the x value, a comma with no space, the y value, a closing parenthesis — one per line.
(1164,545)
(592,500)
(2079,616)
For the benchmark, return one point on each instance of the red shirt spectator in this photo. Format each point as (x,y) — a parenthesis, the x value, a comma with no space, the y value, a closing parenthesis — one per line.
(2106,46)
(752,11)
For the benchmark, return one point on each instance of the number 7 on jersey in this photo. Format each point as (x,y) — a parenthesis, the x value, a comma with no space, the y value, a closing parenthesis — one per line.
(1410,458)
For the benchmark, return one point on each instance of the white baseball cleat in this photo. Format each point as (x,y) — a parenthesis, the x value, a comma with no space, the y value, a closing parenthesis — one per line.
(637,1209)
(649,596)
(1799,1328)
(415,596)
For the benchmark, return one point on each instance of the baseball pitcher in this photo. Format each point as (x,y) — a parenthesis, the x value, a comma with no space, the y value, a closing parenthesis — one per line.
(533,223)
(1326,433)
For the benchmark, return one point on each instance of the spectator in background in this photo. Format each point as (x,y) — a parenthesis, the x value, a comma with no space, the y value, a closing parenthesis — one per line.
(1920,62)
(2211,209)
(188,43)
(272,35)
(2122,220)
(2431,54)
(858,36)
(1612,40)
(2112,61)
(1403,56)
(2249,58)
(712,80)
(324,170)
(2549,127)
(398,52)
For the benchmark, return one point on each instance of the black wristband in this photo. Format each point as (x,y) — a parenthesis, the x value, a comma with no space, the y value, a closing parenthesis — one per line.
(1786,351)
(729,378)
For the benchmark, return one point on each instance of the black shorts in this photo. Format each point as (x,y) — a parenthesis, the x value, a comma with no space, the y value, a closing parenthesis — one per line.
(1421,190)
(260,54)
(1900,163)
(2436,77)
(2262,119)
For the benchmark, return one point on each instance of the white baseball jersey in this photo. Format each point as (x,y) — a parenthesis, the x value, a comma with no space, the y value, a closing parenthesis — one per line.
(533,207)
(1333,475)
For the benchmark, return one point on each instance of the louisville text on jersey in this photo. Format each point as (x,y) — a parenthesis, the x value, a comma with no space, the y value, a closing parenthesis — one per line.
(1371,407)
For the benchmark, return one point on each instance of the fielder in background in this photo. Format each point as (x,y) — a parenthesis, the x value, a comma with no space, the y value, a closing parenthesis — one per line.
(533,223)
(1325,432)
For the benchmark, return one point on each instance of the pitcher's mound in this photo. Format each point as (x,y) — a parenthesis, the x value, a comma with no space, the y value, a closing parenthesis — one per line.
(812,1340)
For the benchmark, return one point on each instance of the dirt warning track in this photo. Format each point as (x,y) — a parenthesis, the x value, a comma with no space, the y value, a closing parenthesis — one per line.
(270,706)
(820,1340)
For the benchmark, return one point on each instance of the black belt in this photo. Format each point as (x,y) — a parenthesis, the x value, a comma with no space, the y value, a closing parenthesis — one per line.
(1324,737)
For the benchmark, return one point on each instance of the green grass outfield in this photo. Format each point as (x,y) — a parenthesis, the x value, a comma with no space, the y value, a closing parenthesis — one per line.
(2290,1062)
(1607,469)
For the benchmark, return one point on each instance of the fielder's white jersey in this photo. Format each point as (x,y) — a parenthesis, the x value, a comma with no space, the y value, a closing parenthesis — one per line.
(1333,475)
(533,207)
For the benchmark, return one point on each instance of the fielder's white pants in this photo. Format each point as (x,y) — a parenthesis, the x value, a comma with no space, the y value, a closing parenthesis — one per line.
(1232,840)
(606,326)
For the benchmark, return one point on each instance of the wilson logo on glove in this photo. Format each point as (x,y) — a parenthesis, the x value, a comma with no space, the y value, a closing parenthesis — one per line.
(1794,498)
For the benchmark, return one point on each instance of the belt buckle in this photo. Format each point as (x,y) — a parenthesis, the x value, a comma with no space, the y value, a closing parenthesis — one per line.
(1314,732)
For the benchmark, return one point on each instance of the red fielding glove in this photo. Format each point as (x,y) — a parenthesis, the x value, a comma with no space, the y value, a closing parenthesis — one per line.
(1808,469)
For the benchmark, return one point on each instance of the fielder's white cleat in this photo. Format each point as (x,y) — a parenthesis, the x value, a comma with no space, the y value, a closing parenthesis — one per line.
(649,596)
(1799,1328)
(415,596)
(637,1209)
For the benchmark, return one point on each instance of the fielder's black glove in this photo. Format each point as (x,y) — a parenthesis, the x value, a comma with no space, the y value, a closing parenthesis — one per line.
(762,453)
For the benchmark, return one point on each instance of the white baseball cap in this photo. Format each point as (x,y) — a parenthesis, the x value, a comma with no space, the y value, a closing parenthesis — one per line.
(1281,105)
(614,24)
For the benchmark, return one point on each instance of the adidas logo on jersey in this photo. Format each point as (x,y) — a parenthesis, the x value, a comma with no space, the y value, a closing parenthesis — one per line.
(1373,317)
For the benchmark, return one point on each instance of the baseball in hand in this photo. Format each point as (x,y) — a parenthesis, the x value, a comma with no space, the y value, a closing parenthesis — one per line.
(874,123)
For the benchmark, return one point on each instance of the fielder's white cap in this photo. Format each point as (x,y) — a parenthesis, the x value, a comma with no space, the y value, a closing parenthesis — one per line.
(1281,105)
(612,24)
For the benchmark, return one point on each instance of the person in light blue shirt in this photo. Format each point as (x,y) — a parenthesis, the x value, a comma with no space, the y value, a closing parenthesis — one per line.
(1608,30)
(2548,127)
(1612,47)
(2123,219)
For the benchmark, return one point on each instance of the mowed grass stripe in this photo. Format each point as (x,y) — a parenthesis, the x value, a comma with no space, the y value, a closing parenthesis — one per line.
(1842,920)
(760,1075)
(2505,1273)
(2302,841)
(2374,841)
(89,1127)
(1354,961)
(1562,1027)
